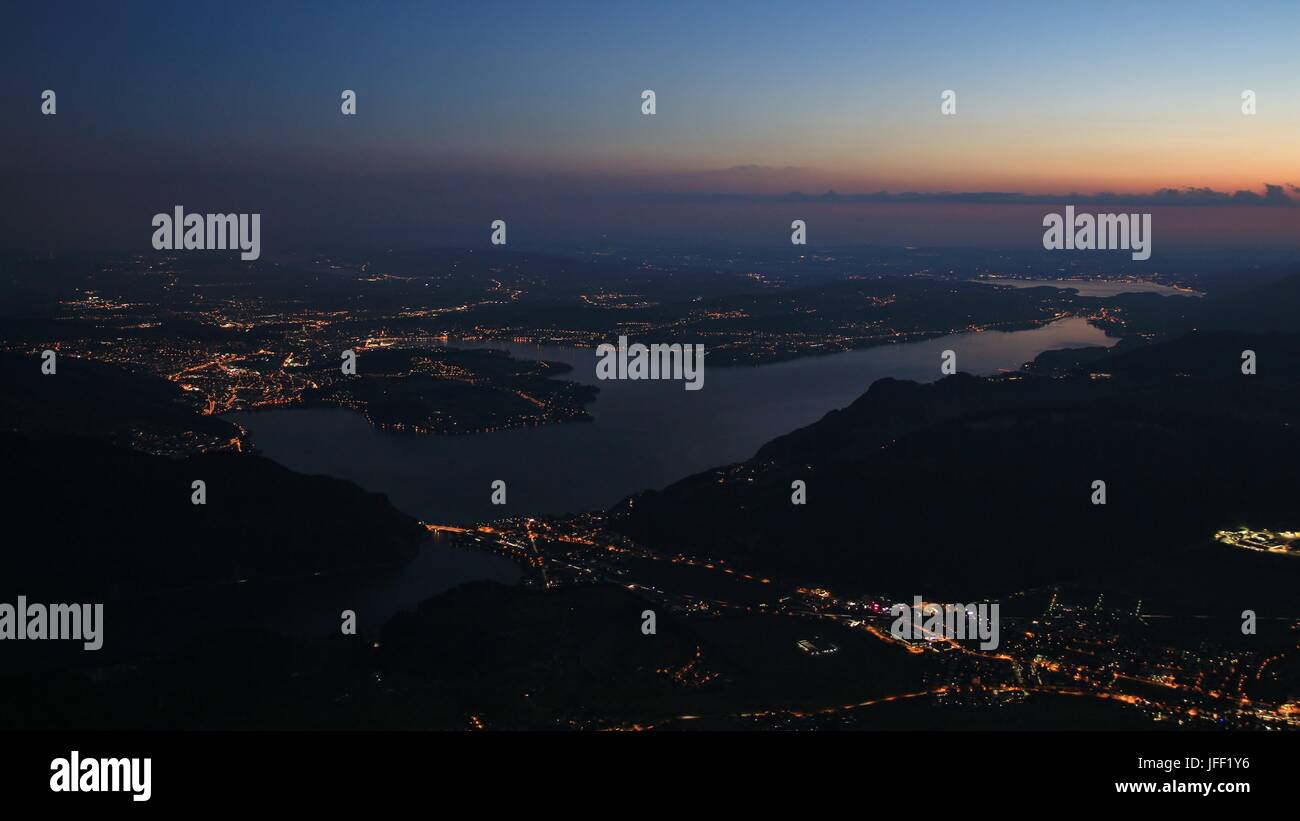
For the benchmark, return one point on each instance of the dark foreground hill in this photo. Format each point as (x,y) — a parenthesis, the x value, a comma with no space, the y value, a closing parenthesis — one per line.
(508,656)
(89,515)
(88,518)
(974,487)
(99,400)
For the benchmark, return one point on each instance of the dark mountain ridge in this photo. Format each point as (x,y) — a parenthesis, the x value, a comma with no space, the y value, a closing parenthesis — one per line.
(976,487)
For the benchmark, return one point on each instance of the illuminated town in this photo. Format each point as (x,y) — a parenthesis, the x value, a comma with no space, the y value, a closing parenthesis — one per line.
(230,348)
(1088,651)
(1281,543)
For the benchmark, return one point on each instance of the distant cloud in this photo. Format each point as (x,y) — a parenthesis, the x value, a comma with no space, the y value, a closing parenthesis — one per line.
(772,177)
(753,168)
(1273,196)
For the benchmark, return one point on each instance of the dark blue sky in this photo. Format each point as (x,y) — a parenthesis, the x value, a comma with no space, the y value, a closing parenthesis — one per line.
(467,111)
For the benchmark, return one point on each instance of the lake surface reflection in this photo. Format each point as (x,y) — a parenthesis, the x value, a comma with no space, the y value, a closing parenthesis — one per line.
(644,434)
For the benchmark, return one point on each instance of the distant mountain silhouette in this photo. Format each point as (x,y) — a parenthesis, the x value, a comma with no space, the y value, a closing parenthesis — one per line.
(1268,308)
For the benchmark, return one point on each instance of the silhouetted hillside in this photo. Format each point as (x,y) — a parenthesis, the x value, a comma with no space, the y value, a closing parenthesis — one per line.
(1270,307)
(89,518)
(531,658)
(95,399)
(509,656)
(979,486)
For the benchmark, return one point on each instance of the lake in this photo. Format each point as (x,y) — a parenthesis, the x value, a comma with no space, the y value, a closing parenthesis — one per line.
(644,434)
(1093,287)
